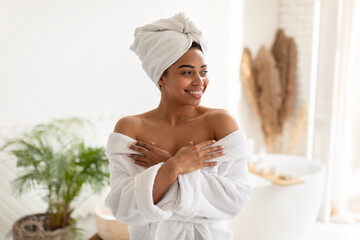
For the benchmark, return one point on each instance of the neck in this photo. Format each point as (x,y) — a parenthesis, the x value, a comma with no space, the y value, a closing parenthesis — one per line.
(174,114)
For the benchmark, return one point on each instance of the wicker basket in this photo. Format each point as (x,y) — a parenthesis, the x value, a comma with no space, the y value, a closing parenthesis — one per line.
(36,227)
(108,227)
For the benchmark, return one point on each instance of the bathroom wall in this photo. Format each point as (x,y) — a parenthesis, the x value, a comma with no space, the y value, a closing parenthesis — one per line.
(262,19)
(72,57)
(66,58)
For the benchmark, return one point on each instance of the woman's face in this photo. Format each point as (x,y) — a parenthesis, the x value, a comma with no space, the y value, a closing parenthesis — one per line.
(186,80)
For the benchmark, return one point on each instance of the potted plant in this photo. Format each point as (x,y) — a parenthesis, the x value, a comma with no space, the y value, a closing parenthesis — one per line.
(55,158)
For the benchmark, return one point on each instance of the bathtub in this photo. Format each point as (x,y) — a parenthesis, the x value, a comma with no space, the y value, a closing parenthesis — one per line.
(281,213)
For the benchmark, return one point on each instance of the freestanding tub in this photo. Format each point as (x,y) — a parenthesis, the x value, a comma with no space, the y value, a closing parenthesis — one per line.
(281,212)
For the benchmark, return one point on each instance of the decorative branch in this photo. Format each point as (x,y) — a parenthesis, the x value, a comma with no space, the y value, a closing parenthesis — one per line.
(267,78)
(271,85)
(249,81)
(298,131)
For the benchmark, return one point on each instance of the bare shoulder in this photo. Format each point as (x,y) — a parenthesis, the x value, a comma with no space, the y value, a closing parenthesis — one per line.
(222,122)
(128,126)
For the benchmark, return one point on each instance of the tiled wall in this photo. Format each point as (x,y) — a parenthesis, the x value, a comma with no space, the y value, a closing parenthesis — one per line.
(296,17)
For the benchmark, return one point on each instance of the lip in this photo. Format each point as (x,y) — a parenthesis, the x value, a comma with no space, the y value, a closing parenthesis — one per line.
(197,96)
(195,89)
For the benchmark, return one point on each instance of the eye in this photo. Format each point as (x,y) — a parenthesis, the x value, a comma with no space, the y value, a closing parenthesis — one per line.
(186,73)
(204,73)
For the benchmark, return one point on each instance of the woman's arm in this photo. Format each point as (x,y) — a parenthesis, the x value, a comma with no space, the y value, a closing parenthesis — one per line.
(130,198)
(219,193)
(152,155)
(165,177)
(131,195)
(186,160)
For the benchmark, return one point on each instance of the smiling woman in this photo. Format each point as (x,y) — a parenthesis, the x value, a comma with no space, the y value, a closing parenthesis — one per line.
(187,76)
(170,176)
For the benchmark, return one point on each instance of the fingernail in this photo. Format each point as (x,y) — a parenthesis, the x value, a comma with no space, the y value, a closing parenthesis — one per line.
(222,146)
(129,155)
(135,142)
(129,145)
(223,152)
(213,141)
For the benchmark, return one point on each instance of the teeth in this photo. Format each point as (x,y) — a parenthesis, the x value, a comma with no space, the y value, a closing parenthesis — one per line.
(200,92)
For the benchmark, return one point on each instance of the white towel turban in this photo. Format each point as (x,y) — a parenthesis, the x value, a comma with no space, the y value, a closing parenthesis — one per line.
(162,43)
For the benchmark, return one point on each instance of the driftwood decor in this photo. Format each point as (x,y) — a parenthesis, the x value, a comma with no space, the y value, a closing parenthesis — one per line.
(270,84)
(284,51)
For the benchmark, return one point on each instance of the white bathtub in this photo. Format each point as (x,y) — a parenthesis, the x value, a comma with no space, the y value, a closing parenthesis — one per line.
(281,213)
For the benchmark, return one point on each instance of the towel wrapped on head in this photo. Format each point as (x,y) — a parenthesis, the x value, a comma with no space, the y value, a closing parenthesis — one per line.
(162,43)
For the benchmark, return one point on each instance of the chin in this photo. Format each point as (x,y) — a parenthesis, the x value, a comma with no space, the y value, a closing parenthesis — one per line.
(194,104)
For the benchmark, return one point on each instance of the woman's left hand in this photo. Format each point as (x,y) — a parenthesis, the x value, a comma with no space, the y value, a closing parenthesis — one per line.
(152,154)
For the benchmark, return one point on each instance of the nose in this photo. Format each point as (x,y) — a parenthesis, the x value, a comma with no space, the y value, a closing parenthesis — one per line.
(197,80)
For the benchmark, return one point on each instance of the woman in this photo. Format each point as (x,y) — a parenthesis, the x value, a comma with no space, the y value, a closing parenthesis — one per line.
(170,175)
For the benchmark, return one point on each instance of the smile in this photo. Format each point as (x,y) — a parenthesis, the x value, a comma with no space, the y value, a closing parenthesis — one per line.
(195,94)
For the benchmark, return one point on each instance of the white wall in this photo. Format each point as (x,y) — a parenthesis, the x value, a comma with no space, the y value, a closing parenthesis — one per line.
(297,18)
(261,20)
(67,57)
(260,23)
(72,58)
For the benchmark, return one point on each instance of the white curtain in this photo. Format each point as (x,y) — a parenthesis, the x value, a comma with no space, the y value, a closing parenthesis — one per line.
(354,74)
(346,93)
(336,120)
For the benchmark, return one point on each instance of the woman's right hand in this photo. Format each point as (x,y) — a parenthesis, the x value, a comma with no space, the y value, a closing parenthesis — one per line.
(194,157)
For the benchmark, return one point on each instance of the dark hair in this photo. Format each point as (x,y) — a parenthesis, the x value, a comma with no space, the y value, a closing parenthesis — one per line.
(196,45)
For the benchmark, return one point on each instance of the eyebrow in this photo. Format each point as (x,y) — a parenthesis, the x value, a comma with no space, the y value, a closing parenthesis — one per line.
(190,66)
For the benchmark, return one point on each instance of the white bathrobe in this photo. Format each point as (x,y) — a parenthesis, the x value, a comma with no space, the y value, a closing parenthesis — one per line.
(194,206)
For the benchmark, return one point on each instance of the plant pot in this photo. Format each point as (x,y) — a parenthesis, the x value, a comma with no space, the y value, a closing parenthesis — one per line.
(36,227)
(108,227)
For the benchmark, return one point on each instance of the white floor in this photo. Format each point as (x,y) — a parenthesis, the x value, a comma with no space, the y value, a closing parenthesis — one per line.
(320,231)
(335,231)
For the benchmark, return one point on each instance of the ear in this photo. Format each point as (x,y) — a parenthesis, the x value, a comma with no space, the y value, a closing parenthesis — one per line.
(161,81)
